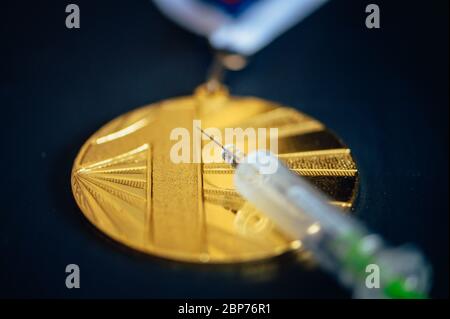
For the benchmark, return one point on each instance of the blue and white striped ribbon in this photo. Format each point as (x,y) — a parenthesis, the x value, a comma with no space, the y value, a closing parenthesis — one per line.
(241,26)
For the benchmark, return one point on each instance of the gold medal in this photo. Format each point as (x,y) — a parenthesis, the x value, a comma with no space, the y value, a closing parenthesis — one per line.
(126,185)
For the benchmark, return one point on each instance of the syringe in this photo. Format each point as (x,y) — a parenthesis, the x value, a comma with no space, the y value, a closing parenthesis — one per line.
(340,243)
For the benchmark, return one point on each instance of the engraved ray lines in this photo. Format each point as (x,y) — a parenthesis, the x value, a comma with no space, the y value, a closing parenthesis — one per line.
(288,121)
(332,162)
(128,125)
(117,184)
(125,131)
(227,198)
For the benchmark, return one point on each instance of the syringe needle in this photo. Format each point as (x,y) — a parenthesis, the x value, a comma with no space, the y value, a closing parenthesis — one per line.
(211,138)
(229,156)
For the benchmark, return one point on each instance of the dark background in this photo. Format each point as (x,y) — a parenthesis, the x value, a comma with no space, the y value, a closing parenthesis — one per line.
(385,92)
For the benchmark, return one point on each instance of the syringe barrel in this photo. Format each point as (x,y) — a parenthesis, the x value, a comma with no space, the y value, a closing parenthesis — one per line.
(340,243)
(290,201)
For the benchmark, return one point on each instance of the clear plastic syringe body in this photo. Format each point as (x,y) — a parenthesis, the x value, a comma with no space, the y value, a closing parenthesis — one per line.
(339,242)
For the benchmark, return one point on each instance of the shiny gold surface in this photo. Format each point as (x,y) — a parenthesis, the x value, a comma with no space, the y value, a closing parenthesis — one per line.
(126,185)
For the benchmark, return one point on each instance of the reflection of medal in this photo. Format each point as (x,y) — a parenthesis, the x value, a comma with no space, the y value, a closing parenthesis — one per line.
(126,185)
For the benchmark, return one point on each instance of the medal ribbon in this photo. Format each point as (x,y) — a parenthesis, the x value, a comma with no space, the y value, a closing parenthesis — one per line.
(240,26)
